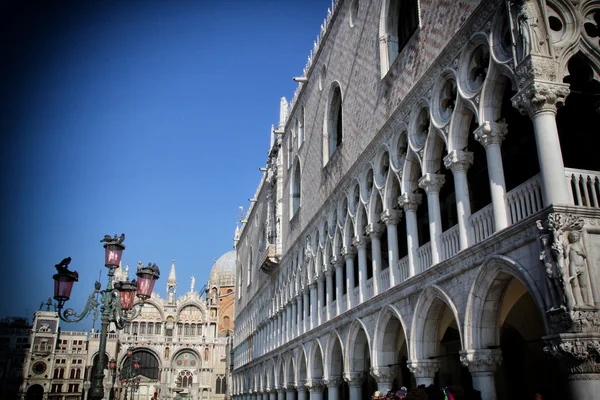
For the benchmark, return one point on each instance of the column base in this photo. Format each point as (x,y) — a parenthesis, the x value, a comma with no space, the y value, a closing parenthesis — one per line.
(584,386)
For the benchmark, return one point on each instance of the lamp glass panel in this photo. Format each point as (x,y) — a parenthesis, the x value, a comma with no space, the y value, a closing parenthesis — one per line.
(113,253)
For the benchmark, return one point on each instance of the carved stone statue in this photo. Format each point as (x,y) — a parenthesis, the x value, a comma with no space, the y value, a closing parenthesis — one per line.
(578,273)
(554,275)
(530,35)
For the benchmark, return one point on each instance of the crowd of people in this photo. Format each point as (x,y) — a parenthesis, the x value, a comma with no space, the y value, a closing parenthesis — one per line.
(428,393)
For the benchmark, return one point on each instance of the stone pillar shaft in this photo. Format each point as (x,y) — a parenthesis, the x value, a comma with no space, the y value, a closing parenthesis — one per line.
(339,285)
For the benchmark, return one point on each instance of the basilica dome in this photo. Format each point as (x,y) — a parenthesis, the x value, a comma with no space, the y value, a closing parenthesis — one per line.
(223,270)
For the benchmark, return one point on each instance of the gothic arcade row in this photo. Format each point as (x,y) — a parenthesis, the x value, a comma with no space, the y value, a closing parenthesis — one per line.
(430,209)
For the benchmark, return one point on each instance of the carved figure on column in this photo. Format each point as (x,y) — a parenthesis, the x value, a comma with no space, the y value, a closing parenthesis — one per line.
(555,296)
(578,272)
(530,36)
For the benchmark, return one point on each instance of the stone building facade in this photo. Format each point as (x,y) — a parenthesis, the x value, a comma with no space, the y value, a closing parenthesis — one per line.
(429,212)
(14,344)
(181,343)
(55,362)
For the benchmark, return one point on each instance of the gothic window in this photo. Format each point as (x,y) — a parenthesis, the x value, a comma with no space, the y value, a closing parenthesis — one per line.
(333,134)
(126,328)
(142,328)
(249,277)
(185,379)
(400,19)
(295,189)
(150,328)
(78,373)
(300,126)
(179,329)
(72,375)
(157,328)
(186,330)
(206,353)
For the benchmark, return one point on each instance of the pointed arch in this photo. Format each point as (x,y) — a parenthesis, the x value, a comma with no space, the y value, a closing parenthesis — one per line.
(428,316)
(482,326)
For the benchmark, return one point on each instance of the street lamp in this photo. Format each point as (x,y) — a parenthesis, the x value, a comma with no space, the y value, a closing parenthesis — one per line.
(116,301)
(130,380)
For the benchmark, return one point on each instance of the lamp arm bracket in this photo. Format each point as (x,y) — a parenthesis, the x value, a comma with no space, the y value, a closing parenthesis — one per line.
(70,315)
(122,316)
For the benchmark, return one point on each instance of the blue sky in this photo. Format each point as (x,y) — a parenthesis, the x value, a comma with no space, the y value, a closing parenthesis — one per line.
(144,117)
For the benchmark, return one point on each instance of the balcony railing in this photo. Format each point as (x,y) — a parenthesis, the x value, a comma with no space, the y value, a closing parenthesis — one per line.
(524,200)
(482,223)
(424,257)
(269,261)
(403,269)
(585,187)
(385,279)
(450,242)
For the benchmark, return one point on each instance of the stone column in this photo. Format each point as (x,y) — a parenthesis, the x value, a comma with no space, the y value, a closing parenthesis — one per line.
(290,393)
(578,354)
(354,380)
(281,393)
(315,387)
(491,135)
(432,183)
(482,365)
(374,232)
(384,377)
(423,370)
(339,284)
(272,394)
(332,384)
(329,289)
(293,327)
(278,330)
(313,305)
(265,395)
(391,218)
(323,278)
(459,162)
(288,321)
(361,246)
(410,202)
(348,254)
(541,100)
(302,392)
(306,322)
(300,312)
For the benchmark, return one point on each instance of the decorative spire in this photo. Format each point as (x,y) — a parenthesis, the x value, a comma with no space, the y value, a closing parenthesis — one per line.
(172,278)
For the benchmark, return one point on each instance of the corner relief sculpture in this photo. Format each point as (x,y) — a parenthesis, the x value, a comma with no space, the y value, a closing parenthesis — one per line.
(566,263)
(573,314)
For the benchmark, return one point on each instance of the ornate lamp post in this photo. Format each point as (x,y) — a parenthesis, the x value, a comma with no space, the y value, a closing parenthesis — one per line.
(116,301)
(130,380)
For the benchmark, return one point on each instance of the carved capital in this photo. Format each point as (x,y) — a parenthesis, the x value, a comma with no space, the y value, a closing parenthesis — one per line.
(423,368)
(337,260)
(489,133)
(481,361)
(538,97)
(332,381)
(314,385)
(458,160)
(374,230)
(410,201)
(359,242)
(536,67)
(348,252)
(576,353)
(354,378)
(391,217)
(383,374)
(432,183)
